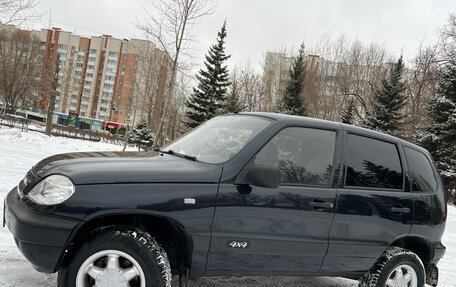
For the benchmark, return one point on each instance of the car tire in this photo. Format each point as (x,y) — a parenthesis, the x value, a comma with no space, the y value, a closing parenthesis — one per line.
(117,255)
(395,264)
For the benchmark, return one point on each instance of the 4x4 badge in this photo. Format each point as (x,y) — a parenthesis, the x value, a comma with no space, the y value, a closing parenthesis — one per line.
(238,244)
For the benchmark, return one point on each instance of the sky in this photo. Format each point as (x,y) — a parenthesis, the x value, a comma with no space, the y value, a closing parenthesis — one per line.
(257,26)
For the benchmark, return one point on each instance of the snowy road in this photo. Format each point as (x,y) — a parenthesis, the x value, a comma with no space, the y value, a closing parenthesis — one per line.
(19,151)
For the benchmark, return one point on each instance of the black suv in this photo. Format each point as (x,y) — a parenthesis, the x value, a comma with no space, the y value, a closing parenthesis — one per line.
(243,194)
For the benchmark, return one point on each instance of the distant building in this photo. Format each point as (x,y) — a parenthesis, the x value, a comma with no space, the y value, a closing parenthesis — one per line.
(144,75)
(277,73)
(105,78)
(327,83)
(275,78)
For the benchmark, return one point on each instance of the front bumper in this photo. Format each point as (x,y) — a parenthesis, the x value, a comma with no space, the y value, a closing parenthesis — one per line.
(40,237)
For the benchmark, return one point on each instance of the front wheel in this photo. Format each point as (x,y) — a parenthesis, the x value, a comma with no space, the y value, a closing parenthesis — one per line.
(117,257)
(397,267)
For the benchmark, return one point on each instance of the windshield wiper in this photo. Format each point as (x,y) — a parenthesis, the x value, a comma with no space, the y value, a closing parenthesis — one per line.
(171,152)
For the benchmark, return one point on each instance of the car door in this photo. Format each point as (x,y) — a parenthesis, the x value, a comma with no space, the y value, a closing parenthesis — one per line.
(374,207)
(280,230)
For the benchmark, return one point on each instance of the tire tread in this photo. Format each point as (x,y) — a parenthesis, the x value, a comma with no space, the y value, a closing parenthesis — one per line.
(105,235)
(371,278)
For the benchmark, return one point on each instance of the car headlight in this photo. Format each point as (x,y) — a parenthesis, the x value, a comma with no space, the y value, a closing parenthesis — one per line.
(53,189)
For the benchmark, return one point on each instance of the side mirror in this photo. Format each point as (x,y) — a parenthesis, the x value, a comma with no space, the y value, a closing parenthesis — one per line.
(267,176)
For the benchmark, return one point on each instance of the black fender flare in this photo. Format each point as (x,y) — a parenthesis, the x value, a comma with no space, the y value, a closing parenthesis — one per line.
(85,226)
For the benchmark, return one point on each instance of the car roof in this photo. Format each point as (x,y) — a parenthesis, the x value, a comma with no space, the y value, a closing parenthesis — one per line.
(333,125)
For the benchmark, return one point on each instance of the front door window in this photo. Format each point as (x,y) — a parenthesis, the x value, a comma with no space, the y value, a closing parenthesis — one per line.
(303,155)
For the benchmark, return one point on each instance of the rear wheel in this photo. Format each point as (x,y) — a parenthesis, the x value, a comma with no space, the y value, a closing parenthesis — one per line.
(117,257)
(397,267)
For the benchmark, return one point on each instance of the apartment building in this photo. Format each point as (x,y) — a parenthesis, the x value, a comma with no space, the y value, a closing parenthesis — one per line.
(141,83)
(277,73)
(105,78)
(275,77)
(122,102)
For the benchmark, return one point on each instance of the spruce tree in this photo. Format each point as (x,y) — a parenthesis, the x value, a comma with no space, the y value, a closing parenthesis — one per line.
(141,136)
(233,103)
(389,100)
(439,137)
(291,102)
(208,98)
(348,114)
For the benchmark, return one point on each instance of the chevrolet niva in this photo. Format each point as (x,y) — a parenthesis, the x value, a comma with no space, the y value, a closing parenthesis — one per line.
(246,194)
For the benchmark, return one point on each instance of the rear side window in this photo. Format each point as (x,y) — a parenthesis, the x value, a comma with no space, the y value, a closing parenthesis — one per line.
(372,163)
(421,172)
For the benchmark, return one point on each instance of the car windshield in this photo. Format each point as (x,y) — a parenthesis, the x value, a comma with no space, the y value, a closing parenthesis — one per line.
(220,138)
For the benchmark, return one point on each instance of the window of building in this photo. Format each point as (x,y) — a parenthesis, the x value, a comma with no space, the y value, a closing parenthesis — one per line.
(112,62)
(90,67)
(86,90)
(108,86)
(421,171)
(303,155)
(89,75)
(79,65)
(373,163)
(110,78)
(93,51)
(62,46)
(113,54)
(92,59)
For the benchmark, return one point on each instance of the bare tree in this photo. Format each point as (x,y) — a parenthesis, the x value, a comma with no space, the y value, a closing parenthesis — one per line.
(250,87)
(326,77)
(20,66)
(169,24)
(448,41)
(149,61)
(14,12)
(175,123)
(421,81)
(53,93)
(340,69)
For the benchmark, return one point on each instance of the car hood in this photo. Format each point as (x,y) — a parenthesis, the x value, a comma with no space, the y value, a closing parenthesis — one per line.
(127,167)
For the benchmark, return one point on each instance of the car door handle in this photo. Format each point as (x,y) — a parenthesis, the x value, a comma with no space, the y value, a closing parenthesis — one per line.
(400,209)
(321,204)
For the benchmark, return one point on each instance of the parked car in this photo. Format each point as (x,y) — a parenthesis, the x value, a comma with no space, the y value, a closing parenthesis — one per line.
(243,194)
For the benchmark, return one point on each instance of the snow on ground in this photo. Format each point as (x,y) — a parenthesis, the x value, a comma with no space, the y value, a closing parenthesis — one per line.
(19,151)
